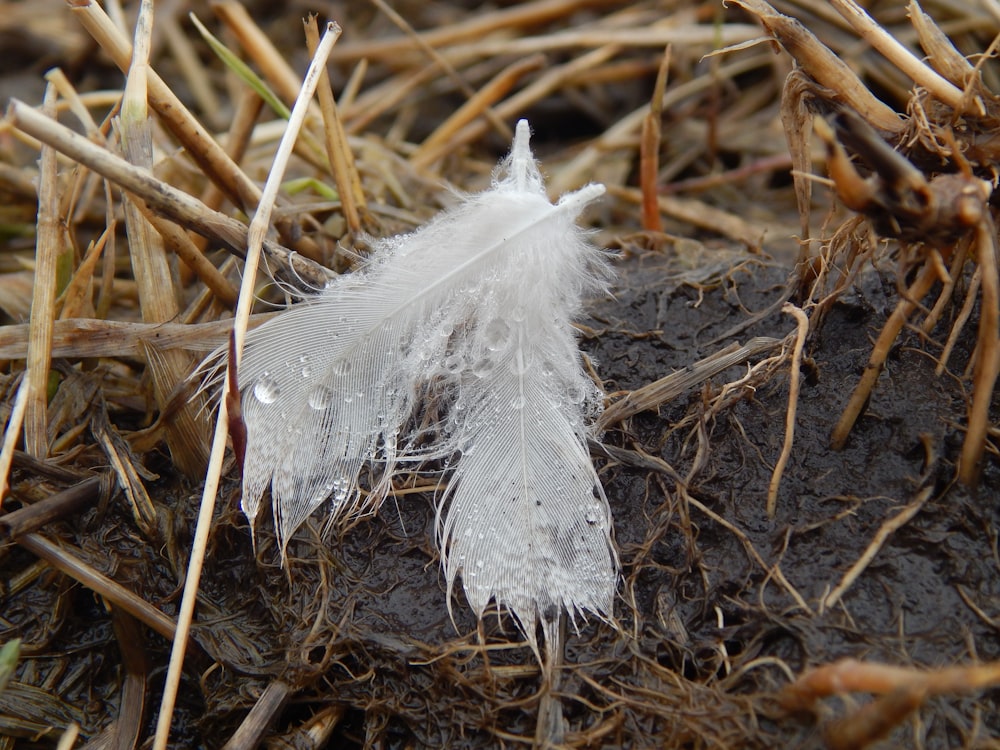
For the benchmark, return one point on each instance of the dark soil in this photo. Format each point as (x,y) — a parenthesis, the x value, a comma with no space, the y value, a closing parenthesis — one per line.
(361,623)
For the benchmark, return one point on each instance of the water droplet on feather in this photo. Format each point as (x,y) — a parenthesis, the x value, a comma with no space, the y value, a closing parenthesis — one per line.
(496,334)
(320,397)
(266,389)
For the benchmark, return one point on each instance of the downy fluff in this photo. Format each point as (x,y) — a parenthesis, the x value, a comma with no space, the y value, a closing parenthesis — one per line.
(476,307)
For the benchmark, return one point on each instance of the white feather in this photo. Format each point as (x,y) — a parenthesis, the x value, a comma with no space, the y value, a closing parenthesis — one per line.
(479,302)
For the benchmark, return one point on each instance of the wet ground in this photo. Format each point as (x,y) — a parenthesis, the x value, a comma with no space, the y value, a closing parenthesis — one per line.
(710,614)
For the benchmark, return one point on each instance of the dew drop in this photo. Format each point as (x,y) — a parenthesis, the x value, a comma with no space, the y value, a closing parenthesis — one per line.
(338,490)
(266,389)
(520,363)
(341,367)
(320,397)
(496,334)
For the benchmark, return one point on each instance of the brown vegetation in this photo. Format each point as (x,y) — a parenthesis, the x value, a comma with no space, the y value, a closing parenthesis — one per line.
(800,445)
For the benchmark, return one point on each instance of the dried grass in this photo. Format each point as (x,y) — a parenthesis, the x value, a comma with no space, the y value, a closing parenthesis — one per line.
(118,322)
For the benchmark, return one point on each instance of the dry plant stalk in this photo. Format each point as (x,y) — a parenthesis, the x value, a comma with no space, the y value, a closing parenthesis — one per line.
(172,203)
(275,71)
(442,140)
(82,338)
(700,214)
(821,64)
(491,117)
(469,30)
(248,109)
(12,430)
(31,518)
(178,241)
(922,74)
(76,568)
(43,301)
(198,142)
(987,353)
(885,531)
(880,352)
(932,216)
(129,479)
(669,387)
(255,242)
(187,433)
(345,173)
(649,151)
(901,691)
(555,77)
(629,126)
(795,376)
(261,717)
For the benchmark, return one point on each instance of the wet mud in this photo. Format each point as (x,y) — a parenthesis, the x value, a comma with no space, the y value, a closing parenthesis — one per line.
(719,605)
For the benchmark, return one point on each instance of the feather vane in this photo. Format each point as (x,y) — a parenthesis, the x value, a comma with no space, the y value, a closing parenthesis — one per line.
(480,303)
